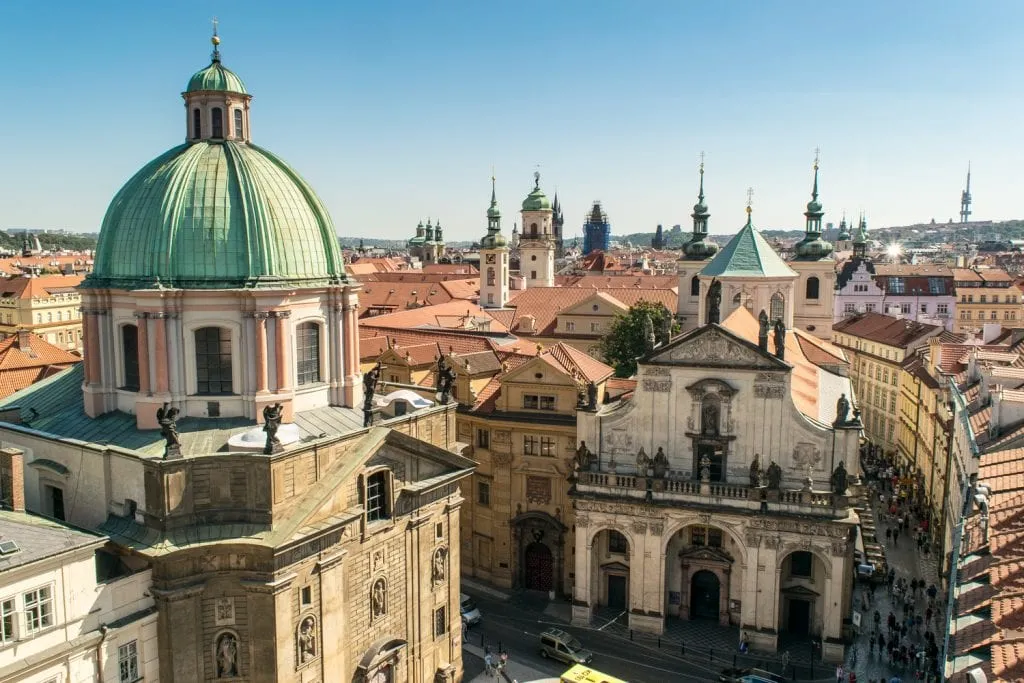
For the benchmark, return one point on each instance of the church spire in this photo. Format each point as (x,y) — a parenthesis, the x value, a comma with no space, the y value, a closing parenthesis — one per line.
(215,40)
(699,247)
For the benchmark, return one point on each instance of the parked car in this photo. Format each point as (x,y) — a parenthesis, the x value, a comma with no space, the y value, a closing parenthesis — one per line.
(470,612)
(564,647)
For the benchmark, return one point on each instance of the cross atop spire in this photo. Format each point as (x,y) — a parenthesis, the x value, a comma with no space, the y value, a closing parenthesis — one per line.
(750,200)
(817,157)
(215,40)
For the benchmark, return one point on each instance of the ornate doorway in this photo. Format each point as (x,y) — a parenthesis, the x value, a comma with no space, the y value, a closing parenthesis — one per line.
(705,595)
(538,574)
(617,587)
(799,617)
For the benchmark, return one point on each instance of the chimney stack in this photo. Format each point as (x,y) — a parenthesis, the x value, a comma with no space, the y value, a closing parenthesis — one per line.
(12,479)
(24,340)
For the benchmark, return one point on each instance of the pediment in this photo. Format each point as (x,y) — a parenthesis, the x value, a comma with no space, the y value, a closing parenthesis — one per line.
(598,304)
(615,567)
(527,373)
(800,592)
(705,554)
(714,346)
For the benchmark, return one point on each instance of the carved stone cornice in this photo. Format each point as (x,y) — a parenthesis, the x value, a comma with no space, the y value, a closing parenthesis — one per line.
(269,587)
(141,315)
(177,594)
(280,314)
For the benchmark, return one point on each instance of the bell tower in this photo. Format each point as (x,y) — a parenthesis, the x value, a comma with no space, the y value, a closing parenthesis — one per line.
(537,243)
(493,259)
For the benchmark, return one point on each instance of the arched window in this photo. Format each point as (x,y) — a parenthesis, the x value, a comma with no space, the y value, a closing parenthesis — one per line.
(778,307)
(197,124)
(533,229)
(617,543)
(307,352)
(812,288)
(217,119)
(738,299)
(239,133)
(213,361)
(695,286)
(130,355)
(49,317)
(60,316)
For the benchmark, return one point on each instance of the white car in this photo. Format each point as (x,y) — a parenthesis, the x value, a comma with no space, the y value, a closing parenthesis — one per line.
(470,612)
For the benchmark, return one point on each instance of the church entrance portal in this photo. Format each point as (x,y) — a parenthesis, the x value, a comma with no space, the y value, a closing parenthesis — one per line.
(617,591)
(539,566)
(799,617)
(704,595)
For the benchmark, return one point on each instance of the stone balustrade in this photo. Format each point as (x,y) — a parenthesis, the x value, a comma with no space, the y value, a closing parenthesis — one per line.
(678,490)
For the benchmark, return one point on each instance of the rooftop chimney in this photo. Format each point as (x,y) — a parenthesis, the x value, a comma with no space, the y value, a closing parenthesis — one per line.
(24,341)
(12,479)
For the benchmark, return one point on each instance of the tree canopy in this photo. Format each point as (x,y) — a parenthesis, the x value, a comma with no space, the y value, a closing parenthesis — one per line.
(624,342)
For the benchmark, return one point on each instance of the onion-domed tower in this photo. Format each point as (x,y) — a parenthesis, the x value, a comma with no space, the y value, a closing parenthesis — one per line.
(218,285)
(537,243)
(696,253)
(813,262)
(493,259)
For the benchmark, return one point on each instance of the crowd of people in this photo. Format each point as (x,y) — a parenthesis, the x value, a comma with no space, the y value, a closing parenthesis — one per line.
(907,637)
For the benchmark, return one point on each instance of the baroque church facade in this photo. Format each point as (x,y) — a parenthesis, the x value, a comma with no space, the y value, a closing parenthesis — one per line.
(214,431)
(720,489)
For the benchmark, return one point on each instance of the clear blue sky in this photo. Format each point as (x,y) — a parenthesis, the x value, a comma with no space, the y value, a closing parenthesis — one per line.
(396,111)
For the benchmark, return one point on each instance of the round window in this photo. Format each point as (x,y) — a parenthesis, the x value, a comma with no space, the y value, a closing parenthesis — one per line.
(533,258)
(596,307)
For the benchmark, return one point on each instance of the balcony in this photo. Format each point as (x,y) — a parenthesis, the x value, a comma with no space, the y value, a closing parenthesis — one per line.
(681,492)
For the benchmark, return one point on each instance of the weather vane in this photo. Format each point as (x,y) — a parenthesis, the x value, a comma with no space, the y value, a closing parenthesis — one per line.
(702,162)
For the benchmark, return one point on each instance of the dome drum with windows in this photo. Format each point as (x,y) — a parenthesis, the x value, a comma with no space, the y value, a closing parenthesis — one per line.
(216,212)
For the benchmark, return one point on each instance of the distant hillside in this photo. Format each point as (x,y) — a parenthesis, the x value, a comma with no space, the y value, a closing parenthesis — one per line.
(49,241)
(676,237)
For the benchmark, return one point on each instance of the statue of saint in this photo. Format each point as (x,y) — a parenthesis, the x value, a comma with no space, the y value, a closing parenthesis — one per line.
(755,471)
(307,640)
(649,339)
(715,302)
(167,417)
(379,598)
(591,396)
(642,462)
(227,656)
(842,410)
(271,423)
(582,459)
(666,328)
(780,339)
(709,418)
(439,569)
(774,475)
(660,463)
(839,479)
(762,330)
(445,379)
(705,468)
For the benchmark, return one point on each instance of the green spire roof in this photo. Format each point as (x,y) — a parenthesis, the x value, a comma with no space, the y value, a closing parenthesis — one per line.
(493,239)
(747,254)
(536,200)
(493,211)
(216,216)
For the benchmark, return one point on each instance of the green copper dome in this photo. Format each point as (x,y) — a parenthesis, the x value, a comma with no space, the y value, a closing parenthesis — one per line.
(216,215)
(536,200)
(216,77)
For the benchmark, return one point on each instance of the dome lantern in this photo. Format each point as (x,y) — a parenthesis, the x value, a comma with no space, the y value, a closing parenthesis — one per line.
(216,101)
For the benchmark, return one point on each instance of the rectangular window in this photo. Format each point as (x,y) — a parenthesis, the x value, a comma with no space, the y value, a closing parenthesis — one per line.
(942,309)
(895,285)
(7,620)
(595,327)
(376,497)
(483,438)
(530,445)
(440,621)
(970,298)
(936,285)
(617,544)
(547,445)
(995,298)
(239,133)
(530,401)
(993,316)
(570,326)
(984,299)
(38,609)
(483,494)
(706,536)
(306,596)
(923,308)
(892,402)
(547,402)
(439,530)
(128,663)
(850,308)
(130,351)
(213,361)
(870,308)
(307,353)
(905,309)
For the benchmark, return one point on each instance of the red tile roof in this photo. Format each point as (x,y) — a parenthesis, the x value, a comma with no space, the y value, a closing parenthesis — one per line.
(885,329)
(545,303)
(453,314)
(29,287)
(26,358)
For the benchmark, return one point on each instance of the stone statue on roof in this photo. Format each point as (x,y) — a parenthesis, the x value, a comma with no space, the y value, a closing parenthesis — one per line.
(715,302)
(272,415)
(167,417)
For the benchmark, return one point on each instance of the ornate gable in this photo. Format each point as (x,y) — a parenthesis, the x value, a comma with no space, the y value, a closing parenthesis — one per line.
(714,346)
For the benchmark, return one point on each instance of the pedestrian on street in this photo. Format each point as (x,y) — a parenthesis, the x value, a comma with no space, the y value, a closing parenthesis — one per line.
(888,535)
(840,674)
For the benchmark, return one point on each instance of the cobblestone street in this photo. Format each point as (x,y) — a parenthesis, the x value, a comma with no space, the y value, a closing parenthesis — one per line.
(909,564)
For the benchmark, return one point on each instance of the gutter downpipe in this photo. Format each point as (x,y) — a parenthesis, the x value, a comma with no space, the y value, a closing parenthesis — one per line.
(99,652)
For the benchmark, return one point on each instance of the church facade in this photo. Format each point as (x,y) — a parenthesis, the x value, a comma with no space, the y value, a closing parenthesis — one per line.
(719,491)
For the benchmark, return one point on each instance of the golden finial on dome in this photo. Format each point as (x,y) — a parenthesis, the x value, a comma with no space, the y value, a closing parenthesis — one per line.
(215,41)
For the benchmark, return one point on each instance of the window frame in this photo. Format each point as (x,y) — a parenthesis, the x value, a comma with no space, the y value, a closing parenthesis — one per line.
(216,123)
(377,503)
(804,555)
(307,353)
(225,361)
(548,445)
(617,548)
(238,123)
(128,654)
(197,124)
(8,620)
(483,493)
(440,621)
(130,359)
(812,289)
(530,445)
(483,437)
(43,608)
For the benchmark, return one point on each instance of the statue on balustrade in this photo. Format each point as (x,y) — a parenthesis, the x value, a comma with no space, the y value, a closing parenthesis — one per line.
(839,480)
(705,468)
(755,471)
(581,462)
(642,462)
(660,463)
(774,475)
(842,410)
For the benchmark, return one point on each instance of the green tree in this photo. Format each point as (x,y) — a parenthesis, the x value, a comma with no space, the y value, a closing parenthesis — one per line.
(624,342)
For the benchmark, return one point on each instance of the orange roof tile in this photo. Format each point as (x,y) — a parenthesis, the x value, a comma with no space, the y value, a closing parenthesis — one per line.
(21,366)
(453,314)
(29,287)
(545,303)
(576,362)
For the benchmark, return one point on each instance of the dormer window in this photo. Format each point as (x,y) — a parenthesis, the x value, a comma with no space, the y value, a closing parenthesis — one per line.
(217,119)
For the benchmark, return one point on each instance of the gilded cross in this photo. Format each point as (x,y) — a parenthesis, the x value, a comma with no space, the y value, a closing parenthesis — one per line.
(215,26)
(702,159)
(817,156)
(750,197)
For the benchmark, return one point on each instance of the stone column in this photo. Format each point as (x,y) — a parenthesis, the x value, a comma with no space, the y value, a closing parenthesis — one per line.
(352,388)
(581,607)
(142,319)
(160,352)
(283,371)
(261,352)
(92,347)
(647,578)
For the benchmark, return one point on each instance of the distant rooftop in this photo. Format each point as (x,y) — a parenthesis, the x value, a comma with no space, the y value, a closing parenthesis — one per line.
(36,538)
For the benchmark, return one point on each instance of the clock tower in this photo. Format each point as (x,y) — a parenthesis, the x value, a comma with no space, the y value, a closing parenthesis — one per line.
(493,260)
(537,242)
